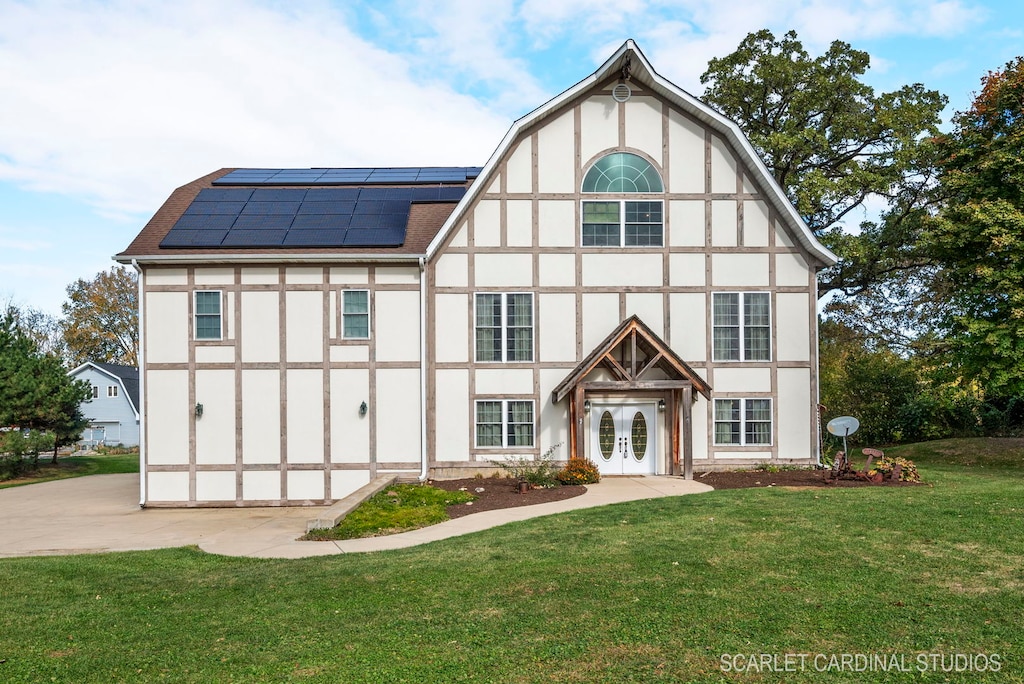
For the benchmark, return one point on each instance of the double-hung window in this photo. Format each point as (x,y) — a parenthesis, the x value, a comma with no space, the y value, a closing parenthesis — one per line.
(504,423)
(111,390)
(743,422)
(623,222)
(95,392)
(207,315)
(355,314)
(742,326)
(504,327)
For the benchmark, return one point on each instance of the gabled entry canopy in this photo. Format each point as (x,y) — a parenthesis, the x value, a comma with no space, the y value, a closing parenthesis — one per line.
(628,353)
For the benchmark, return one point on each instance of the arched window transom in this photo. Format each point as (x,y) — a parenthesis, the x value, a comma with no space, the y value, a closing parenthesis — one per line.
(622,172)
(622,222)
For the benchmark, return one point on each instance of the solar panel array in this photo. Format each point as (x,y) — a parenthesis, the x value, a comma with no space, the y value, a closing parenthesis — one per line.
(301,217)
(388,176)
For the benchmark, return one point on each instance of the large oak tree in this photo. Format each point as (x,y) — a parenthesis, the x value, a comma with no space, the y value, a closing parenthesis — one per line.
(832,143)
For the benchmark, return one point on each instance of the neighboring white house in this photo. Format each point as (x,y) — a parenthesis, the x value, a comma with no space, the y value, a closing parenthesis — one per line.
(113,408)
(622,278)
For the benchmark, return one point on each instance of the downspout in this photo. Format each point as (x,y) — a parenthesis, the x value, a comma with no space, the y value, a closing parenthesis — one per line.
(142,391)
(423,369)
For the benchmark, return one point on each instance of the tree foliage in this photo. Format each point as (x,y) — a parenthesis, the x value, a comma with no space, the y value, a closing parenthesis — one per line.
(979,238)
(101,318)
(831,143)
(35,390)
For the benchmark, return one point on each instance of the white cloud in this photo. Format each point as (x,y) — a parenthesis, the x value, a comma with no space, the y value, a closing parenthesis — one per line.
(120,103)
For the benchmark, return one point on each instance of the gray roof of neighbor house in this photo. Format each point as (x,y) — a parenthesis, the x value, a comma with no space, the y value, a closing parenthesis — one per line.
(128,375)
(245,213)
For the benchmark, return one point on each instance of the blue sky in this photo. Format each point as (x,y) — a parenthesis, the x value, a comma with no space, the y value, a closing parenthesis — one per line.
(106,107)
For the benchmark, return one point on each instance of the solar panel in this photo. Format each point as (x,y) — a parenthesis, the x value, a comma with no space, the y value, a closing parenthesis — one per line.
(204,222)
(263,222)
(254,238)
(374,238)
(326,208)
(203,208)
(223,195)
(179,237)
(367,207)
(311,221)
(277,195)
(331,194)
(270,208)
(328,176)
(315,238)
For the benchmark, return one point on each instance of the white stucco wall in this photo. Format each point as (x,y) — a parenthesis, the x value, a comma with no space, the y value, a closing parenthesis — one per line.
(305,416)
(261,416)
(215,430)
(167,397)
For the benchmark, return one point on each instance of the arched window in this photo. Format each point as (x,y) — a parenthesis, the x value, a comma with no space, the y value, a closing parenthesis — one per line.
(621,222)
(622,172)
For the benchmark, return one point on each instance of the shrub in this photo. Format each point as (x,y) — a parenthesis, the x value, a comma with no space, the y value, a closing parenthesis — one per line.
(579,471)
(885,465)
(539,472)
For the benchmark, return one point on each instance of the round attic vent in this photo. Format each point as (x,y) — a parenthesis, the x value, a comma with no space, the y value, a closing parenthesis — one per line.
(621,92)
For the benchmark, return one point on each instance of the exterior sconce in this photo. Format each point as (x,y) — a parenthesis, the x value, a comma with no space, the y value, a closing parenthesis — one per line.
(586,406)
(661,404)
(199,410)
(363,408)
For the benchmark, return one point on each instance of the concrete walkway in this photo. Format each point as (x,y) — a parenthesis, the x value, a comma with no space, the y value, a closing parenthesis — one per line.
(100,513)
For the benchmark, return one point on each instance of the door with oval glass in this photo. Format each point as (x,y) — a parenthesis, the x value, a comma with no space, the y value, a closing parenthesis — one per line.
(623,438)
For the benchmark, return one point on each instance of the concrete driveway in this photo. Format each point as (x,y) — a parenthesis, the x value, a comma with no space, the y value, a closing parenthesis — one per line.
(100,513)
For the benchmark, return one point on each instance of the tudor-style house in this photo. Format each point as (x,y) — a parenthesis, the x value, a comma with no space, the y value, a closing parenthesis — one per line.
(622,278)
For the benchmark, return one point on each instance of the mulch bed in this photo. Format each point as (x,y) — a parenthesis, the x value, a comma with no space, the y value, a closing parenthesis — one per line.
(786,478)
(501,492)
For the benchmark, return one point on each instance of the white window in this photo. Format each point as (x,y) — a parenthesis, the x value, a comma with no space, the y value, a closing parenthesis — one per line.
(623,223)
(504,327)
(355,314)
(743,422)
(504,423)
(95,392)
(207,315)
(111,390)
(742,326)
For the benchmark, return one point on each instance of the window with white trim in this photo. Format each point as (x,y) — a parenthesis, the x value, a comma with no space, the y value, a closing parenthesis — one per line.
(208,315)
(95,391)
(621,222)
(355,314)
(741,323)
(111,390)
(504,423)
(504,326)
(743,422)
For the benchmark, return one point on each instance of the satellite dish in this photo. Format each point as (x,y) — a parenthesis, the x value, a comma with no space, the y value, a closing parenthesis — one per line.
(843,426)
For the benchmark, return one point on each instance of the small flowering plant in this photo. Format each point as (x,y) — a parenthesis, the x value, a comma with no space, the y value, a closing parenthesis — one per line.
(886,464)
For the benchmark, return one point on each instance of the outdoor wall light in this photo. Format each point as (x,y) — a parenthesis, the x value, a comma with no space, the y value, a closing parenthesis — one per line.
(586,406)
(661,404)
(199,410)
(363,408)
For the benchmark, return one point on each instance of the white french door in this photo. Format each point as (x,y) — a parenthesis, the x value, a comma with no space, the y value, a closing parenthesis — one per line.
(623,438)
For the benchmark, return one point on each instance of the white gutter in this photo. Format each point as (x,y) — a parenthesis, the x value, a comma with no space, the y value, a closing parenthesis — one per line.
(218,257)
(423,369)
(142,390)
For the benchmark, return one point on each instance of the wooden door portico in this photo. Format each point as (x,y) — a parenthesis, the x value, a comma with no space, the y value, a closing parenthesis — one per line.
(630,355)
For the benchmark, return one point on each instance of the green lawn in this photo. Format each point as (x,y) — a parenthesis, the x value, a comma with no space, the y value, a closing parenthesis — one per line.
(78,466)
(651,591)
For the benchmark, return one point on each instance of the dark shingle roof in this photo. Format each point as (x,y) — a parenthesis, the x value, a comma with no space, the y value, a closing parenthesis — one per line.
(129,376)
(420,218)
